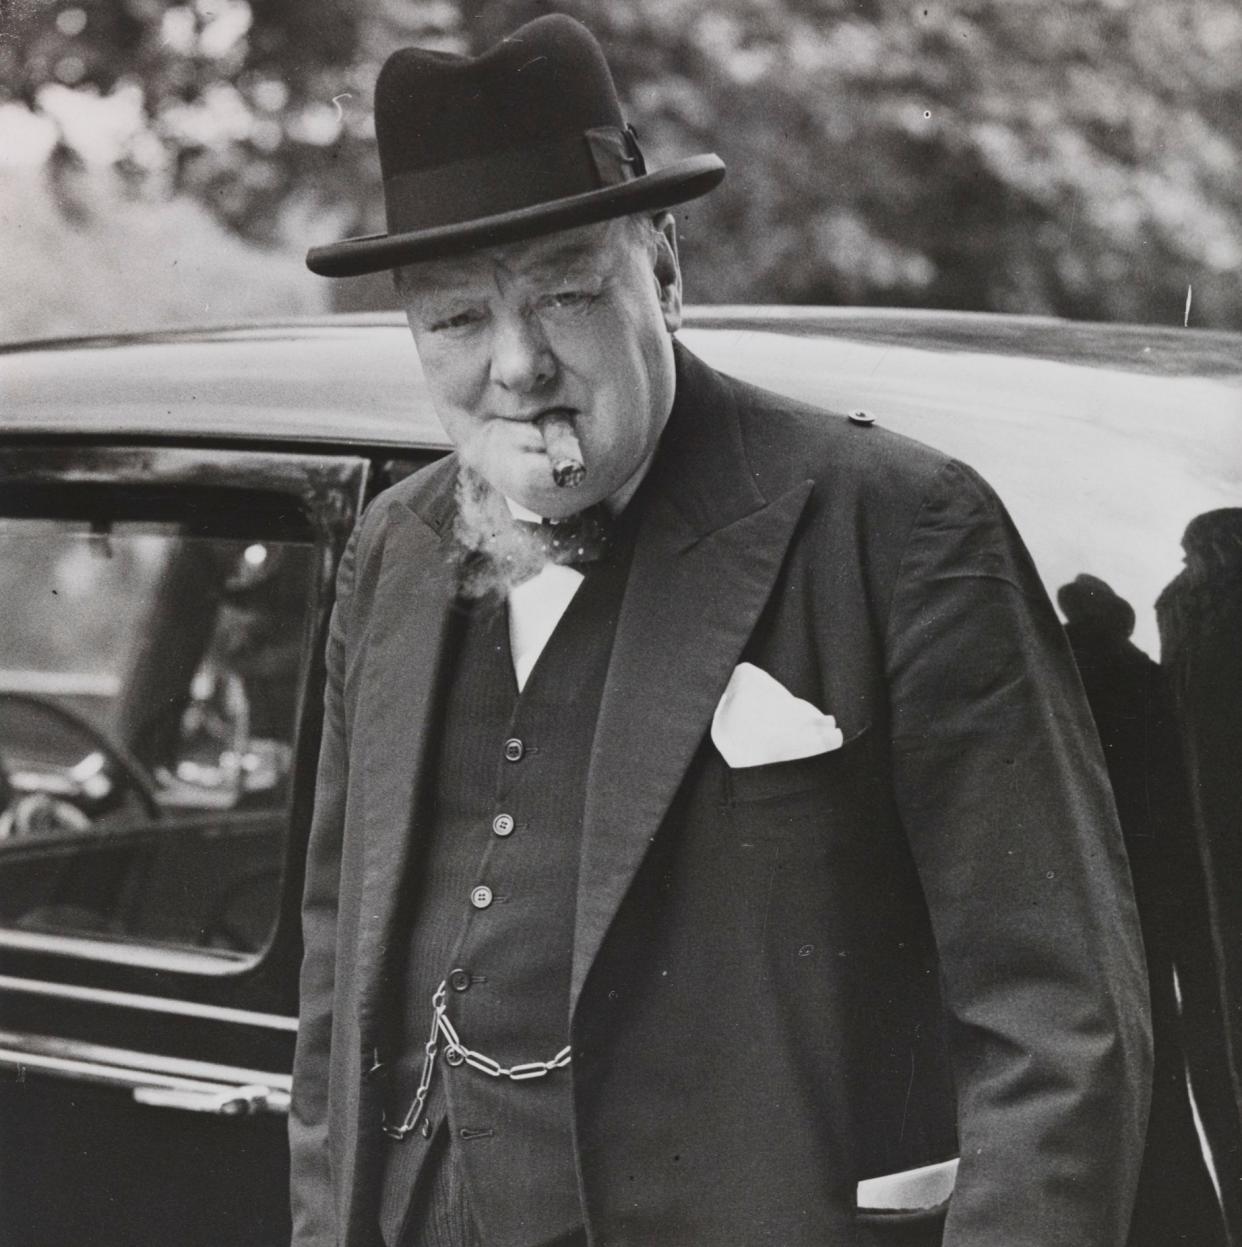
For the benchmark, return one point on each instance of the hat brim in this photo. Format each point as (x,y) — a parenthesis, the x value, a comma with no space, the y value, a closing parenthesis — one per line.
(372,253)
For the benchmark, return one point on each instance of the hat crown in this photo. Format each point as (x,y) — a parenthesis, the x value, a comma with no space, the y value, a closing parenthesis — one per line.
(547,80)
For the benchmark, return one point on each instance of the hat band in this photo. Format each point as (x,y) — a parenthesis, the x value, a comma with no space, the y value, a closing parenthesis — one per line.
(509,180)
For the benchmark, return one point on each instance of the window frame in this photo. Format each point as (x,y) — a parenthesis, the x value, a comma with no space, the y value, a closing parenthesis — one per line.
(327,491)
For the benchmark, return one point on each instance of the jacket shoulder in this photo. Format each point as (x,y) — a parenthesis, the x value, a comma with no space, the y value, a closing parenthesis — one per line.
(873,491)
(428,493)
(789,441)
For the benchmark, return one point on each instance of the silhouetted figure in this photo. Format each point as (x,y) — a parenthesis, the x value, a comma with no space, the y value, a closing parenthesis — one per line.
(1176,1201)
(1200,618)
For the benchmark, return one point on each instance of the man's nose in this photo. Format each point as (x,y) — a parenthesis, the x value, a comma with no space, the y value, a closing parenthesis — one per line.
(522,358)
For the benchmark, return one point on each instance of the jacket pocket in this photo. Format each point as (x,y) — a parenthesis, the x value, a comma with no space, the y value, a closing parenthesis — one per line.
(921,1228)
(907,1208)
(925,1189)
(784,800)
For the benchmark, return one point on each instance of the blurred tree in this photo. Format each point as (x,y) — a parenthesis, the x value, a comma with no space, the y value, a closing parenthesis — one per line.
(250,106)
(1082,158)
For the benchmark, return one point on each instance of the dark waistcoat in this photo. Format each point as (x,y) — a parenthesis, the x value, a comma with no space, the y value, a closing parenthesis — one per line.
(503,812)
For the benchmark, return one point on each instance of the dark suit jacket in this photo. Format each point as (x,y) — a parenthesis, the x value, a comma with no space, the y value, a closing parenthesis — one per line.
(781,974)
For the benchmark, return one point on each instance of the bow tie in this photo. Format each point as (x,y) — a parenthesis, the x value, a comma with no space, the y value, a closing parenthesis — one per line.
(581,538)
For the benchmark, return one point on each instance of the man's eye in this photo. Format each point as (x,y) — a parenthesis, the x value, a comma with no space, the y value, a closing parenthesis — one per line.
(566,298)
(459,320)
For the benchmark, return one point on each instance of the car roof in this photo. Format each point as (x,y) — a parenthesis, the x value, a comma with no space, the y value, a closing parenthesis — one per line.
(356,380)
(1104,441)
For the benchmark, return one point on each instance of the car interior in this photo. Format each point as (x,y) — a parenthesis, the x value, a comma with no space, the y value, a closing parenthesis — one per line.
(151,665)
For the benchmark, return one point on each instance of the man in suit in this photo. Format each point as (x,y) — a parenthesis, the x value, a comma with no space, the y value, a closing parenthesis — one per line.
(710,848)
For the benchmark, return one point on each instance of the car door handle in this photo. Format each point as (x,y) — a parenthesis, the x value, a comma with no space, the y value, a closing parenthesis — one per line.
(224,1101)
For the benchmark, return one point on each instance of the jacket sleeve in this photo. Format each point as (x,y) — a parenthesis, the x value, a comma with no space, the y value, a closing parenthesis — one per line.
(1002,789)
(311,1196)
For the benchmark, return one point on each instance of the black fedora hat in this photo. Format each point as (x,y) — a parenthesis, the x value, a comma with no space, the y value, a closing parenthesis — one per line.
(524,140)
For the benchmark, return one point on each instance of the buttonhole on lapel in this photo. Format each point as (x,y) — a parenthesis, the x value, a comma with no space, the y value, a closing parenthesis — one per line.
(475,1132)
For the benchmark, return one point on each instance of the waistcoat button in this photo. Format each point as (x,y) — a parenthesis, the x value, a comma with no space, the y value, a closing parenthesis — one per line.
(514,749)
(459,980)
(481,897)
(503,824)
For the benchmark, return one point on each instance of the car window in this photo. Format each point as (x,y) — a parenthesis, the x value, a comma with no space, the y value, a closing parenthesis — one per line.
(150,676)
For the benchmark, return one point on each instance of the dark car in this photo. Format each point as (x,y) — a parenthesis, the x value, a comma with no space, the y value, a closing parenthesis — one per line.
(172,508)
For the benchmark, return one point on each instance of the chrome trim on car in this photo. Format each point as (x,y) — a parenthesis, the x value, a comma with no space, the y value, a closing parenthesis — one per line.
(54,1046)
(171,960)
(173,1082)
(154,1004)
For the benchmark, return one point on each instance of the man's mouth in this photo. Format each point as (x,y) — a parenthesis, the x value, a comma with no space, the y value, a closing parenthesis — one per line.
(535,414)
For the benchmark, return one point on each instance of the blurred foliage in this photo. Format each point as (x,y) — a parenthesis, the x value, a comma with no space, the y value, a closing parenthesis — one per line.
(98,257)
(1081,157)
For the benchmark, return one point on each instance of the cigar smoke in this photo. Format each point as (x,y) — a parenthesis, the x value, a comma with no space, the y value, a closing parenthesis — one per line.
(560,443)
(494,554)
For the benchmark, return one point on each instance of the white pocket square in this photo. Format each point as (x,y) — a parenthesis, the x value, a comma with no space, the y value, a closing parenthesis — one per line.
(759,721)
(911,1191)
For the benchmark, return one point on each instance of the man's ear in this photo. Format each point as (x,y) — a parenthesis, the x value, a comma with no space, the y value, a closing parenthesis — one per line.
(667,270)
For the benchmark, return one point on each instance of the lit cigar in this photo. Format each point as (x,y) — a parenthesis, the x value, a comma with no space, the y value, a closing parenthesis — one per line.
(562,447)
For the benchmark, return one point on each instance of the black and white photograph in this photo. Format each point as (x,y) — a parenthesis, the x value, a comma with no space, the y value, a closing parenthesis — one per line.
(620,623)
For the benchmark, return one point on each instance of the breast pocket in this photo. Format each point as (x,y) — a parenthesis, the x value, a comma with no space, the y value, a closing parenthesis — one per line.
(794,802)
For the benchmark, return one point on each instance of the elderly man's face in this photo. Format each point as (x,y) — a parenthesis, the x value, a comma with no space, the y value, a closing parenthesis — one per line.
(579,321)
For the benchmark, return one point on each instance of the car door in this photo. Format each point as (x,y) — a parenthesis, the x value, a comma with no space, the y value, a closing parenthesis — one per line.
(162,614)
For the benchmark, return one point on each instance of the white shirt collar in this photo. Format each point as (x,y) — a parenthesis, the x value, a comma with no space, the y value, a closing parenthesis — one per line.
(519,512)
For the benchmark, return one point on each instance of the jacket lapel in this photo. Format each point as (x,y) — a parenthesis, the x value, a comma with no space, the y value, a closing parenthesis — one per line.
(707,555)
(408,627)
